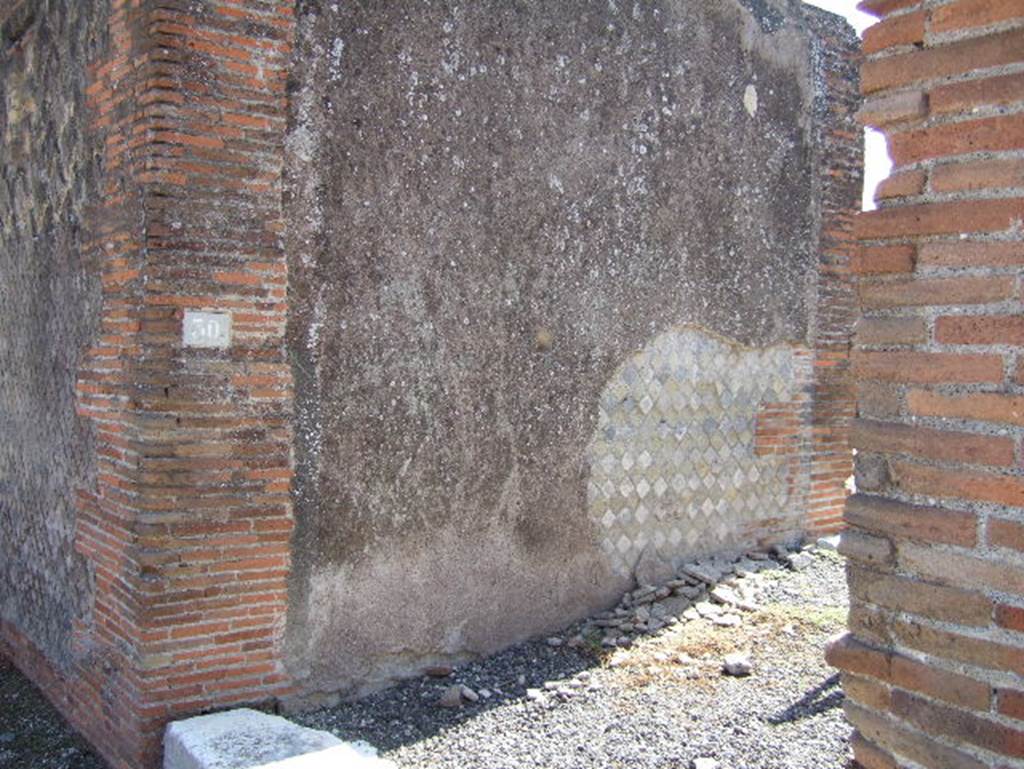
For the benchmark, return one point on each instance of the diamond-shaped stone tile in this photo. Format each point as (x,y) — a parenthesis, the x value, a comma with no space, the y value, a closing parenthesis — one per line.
(608,463)
(641,515)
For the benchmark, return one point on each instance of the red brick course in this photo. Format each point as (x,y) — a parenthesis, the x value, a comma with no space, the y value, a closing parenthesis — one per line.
(942,61)
(906,29)
(966,14)
(876,260)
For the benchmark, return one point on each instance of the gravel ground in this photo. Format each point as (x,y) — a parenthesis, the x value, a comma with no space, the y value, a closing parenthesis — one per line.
(661,702)
(32,733)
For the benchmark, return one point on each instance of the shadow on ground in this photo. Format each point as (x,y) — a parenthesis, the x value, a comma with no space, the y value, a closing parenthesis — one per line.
(32,733)
(819,699)
(407,713)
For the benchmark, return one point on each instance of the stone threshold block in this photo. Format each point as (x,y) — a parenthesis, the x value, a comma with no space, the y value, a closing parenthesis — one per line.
(248,739)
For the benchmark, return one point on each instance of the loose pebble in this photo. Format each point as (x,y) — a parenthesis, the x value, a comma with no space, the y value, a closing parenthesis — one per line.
(452,697)
(738,664)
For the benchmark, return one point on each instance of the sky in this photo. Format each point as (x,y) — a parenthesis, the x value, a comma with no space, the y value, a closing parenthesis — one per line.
(876,156)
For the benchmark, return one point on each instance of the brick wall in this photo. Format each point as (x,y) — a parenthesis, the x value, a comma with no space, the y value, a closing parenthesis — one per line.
(933,663)
(831,403)
(185,527)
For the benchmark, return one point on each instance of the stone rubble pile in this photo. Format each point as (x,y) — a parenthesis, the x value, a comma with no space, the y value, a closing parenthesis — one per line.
(720,589)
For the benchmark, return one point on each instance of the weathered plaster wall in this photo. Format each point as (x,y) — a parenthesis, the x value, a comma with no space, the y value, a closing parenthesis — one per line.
(49,300)
(495,207)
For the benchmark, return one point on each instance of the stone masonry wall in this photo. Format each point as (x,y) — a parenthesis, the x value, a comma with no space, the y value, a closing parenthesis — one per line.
(562,279)
(49,302)
(933,665)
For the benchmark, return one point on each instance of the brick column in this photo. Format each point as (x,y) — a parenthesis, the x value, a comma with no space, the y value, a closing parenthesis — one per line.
(211,487)
(187,530)
(839,190)
(933,665)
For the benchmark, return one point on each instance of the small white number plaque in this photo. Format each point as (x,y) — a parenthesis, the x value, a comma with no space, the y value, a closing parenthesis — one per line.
(206,329)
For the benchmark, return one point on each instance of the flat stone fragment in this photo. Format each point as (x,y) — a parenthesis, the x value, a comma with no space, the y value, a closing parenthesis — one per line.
(248,739)
(728,597)
(722,594)
(674,607)
(747,566)
(707,609)
(703,573)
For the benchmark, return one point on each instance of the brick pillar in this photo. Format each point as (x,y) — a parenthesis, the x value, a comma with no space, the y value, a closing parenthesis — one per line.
(933,665)
(839,190)
(187,530)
